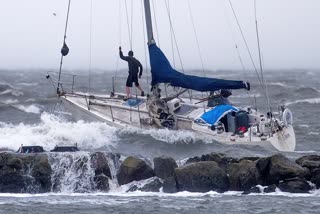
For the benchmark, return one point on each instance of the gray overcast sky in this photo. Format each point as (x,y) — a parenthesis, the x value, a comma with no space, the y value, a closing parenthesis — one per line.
(31,36)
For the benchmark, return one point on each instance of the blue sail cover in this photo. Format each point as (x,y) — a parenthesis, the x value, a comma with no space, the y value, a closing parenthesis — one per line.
(215,114)
(162,72)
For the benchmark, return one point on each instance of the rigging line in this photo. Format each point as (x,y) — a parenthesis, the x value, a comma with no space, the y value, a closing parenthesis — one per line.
(155,21)
(174,36)
(245,41)
(90,49)
(144,44)
(128,24)
(64,41)
(197,41)
(171,37)
(260,56)
(120,40)
(176,43)
(196,36)
(237,50)
(131,24)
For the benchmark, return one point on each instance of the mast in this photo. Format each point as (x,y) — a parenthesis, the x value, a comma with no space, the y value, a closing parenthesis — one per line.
(147,10)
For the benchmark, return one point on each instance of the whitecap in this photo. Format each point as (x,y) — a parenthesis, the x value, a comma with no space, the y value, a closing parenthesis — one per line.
(10,101)
(314,133)
(278,84)
(29,109)
(310,101)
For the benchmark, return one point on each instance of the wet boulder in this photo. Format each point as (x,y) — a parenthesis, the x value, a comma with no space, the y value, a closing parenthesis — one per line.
(170,185)
(252,190)
(221,159)
(315,177)
(164,166)
(25,173)
(201,177)
(294,185)
(310,161)
(269,189)
(102,182)
(133,169)
(153,186)
(243,175)
(41,171)
(100,164)
(278,167)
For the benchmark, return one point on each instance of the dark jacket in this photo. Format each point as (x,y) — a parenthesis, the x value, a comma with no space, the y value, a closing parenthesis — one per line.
(134,65)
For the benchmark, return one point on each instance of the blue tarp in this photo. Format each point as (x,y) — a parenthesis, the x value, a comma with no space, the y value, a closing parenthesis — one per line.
(215,114)
(162,72)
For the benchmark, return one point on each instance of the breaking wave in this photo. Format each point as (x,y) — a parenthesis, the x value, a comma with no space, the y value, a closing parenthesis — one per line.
(166,135)
(53,131)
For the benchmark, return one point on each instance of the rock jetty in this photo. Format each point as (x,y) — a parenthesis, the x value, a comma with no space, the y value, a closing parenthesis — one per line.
(32,173)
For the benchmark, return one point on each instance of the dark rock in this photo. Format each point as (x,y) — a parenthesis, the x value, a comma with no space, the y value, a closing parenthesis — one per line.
(310,161)
(315,177)
(100,164)
(164,166)
(249,158)
(41,171)
(201,177)
(133,188)
(295,185)
(170,185)
(263,165)
(221,159)
(269,189)
(25,173)
(193,160)
(243,175)
(102,182)
(252,190)
(277,168)
(153,186)
(15,163)
(133,169)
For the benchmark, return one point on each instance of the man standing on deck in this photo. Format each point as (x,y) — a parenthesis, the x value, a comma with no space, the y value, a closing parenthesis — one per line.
(135,68)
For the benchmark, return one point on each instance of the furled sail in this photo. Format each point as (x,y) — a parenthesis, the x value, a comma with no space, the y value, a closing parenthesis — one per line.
(162,72)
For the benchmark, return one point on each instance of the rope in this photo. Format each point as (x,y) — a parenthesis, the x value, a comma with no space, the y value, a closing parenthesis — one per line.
(196,36)
(171,36)
(176,43)
(245,41)
(120,39)
(155,21)
(174,36)
(260,57)
(128,25)
(90,49)
(238,52)
(64,41)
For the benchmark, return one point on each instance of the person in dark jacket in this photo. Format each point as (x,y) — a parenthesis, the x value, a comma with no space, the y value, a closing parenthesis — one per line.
(135,68)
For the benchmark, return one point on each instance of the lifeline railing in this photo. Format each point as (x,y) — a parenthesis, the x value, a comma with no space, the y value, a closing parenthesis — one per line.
(67,86)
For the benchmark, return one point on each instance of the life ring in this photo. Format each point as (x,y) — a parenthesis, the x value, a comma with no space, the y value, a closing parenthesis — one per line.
(287,117)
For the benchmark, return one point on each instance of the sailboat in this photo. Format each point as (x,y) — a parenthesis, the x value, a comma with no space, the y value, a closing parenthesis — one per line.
(219,120)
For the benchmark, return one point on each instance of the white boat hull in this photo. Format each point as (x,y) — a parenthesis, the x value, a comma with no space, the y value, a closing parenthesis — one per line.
(116,113)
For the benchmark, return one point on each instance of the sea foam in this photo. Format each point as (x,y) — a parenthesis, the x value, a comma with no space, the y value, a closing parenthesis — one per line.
(53,131)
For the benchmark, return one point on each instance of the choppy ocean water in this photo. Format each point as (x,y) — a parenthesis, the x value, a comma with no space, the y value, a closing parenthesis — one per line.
(30,115)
